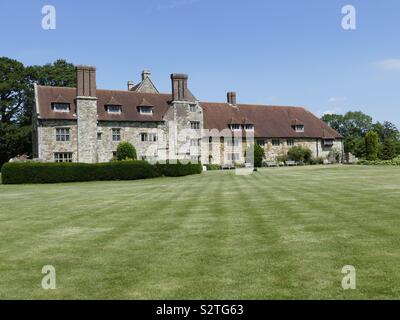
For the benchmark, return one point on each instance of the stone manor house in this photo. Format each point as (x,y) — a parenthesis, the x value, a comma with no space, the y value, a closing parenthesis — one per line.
(86,124)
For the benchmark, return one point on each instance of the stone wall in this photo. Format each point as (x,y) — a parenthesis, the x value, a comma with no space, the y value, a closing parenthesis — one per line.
(180,134)
(315,145)
(48,145)
(92,141)
(87,129)
(131,132)
(219,149)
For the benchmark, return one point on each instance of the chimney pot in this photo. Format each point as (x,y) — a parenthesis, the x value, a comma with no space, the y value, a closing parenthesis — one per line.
(131,84)
(145,74)
(231,98)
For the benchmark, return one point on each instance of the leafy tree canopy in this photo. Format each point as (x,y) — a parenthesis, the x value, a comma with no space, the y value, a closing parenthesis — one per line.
(17,100)
(13,87)
(354,126)
(371,145)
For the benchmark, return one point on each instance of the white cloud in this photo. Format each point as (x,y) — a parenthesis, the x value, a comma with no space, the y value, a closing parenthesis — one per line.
(337,99)
(389,64)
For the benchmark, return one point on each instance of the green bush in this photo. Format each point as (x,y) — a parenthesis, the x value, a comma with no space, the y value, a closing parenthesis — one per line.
(258,153)
(177,169)
(33,172)
(393,162)
(213,167)
(316,160)
(125,151)
(299,154)
(282,158)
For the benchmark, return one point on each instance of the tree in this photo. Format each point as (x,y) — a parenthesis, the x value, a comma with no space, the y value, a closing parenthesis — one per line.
(17,101)
(353,126)
(357,123)
(355,145)
(126,151)
(13,89)
(371,145)
(397,147)
(259,155)
(335,121)
(385,131)
(59,74)
(387,150)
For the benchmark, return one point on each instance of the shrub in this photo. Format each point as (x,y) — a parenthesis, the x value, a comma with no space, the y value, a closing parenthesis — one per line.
(282,158)
(126,151)
(259,155)
(316,160)
(177,169)
(32,172)
(334,156)
(371,145)
(393,162)
(213,167)
(299,154)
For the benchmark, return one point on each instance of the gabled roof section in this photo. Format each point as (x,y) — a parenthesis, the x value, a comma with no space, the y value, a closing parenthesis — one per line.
(146,86)
(113,102)
(145,103)
(61,99)
(297,122)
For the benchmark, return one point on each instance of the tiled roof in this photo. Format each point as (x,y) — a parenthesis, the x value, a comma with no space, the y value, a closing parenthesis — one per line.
(268,121)
(128,99)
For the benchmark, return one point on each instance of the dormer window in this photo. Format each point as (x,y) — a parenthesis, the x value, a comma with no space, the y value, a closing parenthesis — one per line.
(235,127)
(61,107)
(249,127)
(328,142)
(299,128)
(114,109)
(146,111)
(297,125)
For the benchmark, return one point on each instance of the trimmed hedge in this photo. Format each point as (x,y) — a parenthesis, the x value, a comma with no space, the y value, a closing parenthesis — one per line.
(33,172)
(393,162)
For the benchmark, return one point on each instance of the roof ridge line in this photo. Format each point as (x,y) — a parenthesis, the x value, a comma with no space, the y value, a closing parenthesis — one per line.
(255,105)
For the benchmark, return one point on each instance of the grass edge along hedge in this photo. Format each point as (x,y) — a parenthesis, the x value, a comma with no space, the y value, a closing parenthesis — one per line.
(34,172)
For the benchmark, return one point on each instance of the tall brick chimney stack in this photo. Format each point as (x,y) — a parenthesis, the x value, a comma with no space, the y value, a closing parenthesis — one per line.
(86,81)
(231,98)
(180,87)
(86,110)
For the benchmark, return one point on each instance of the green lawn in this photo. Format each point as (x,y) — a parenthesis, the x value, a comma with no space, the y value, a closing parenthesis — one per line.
(278,234)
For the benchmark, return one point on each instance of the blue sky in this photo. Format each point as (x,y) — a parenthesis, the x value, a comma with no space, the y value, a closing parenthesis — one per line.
(281,52)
